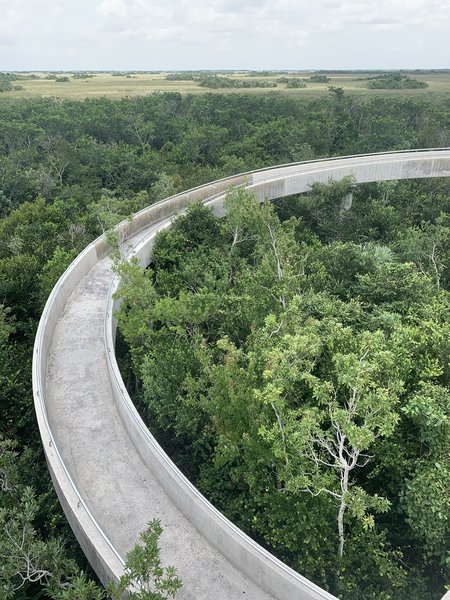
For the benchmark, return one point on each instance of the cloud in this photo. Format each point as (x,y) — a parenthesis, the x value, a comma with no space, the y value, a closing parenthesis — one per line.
(223,33)
(113,8)
(200,22)
(379,21)
(244,9)
(399,13)
(173,33)
(12,16)
(6,40)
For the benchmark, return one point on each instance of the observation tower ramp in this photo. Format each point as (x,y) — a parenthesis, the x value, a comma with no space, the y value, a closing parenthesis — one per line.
(110,474)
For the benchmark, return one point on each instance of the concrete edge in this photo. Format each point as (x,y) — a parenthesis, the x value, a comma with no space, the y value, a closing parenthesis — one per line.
(104,558)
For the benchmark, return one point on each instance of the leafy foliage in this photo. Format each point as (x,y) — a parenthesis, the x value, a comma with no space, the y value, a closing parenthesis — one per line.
(395,81)
(215,82)
(69,170)
(144,573)
(291,363)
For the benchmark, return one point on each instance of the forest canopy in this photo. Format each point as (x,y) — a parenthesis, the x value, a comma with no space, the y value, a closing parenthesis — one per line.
(294,361)
(378,277)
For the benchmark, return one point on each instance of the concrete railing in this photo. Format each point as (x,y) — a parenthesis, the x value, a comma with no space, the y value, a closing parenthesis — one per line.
(271,574)
(101,554)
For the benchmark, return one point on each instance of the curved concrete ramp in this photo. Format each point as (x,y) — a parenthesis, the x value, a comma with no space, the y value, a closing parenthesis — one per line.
(110,474)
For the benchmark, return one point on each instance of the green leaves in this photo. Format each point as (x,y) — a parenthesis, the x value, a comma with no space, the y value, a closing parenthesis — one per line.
(26,558)
(298,374)
(427,505)
(430,408)
(144,576)
(81,588)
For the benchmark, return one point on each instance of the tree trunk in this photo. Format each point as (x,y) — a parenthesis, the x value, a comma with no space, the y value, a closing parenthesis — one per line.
(341,528)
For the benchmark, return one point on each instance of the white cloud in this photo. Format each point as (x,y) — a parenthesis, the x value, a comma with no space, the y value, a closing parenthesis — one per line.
(113,8)
(12,16)
(188,34)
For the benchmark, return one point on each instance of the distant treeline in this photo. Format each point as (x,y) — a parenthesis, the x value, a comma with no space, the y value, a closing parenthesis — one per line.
(216,82)
(395,81)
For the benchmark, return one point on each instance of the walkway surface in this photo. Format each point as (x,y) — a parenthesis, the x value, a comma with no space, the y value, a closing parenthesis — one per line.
(103,461)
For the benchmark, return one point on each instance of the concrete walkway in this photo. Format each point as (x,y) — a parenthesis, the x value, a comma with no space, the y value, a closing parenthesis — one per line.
(116,485)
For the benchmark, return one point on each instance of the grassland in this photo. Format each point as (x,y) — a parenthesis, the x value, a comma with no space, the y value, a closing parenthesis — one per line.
(139,84)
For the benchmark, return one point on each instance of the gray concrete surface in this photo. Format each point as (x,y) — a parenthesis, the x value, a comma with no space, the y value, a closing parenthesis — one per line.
(112,478)
(110,475)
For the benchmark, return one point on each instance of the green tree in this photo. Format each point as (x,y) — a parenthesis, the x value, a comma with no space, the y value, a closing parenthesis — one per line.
(144,573)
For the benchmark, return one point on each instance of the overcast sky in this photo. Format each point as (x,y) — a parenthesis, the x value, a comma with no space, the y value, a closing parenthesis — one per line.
(223,34)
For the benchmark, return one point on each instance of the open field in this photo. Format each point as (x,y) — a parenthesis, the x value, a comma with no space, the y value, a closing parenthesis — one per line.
(139,84)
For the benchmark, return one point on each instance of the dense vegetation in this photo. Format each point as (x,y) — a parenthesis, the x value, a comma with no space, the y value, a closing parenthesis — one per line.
(69,170)
(297,369)
(216,82)
(319,79)
(395,81)
(295,82)
(6,82)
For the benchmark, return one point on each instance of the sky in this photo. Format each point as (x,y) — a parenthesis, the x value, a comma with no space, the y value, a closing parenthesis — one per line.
(223,34)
